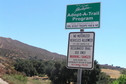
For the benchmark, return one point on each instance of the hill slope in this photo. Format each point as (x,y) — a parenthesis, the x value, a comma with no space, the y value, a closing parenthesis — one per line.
(112,73)
(15,49)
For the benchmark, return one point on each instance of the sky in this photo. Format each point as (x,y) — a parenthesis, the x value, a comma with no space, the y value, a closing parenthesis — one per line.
(41,23)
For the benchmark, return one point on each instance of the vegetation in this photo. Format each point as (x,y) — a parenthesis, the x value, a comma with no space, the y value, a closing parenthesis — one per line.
(123,72)
(43,63)
(59,74)
(34,81)
(103,79)
(15,79)
(120,80)
(33,67)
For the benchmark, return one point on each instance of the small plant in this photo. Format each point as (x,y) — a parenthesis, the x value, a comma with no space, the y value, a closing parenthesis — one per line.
(36,81)
(120,80)
(20,78)
(15,79)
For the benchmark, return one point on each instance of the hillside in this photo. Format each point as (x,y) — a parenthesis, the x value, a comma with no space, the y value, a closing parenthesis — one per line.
(106,66)
(112,73)
(14,49)
(6,67)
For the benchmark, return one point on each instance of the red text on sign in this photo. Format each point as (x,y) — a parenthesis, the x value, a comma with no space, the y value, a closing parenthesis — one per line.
(87,56)
(74,56)
(79,64)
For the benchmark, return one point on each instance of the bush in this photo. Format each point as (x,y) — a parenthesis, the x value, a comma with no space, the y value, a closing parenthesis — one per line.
(20,78)
(103,78)
(15,79)
(120,80)
(123,72)
(62,75)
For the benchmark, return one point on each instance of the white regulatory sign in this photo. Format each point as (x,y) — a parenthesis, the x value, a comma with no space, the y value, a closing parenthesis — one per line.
(81,50)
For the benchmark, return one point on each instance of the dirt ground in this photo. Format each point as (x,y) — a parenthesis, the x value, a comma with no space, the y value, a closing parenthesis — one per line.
(3,82)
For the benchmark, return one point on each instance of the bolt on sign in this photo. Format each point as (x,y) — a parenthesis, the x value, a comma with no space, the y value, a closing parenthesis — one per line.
(84,16)
(81,50)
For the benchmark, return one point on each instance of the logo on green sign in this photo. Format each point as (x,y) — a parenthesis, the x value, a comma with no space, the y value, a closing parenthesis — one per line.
(83,16)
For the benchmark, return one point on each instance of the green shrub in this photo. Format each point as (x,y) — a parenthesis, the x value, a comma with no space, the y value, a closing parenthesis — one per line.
(35,81)
(123,72)
(115,82)
(15,79)
(20,78)
(120,80)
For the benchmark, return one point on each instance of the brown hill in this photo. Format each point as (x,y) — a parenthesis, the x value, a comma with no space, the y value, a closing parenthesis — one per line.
(6,66)
(112,73)
(106,66)
(15,49)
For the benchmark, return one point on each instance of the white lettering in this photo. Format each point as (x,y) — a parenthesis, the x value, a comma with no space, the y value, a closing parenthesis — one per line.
(93,13)
(75,15)
(82,19)
(82,8)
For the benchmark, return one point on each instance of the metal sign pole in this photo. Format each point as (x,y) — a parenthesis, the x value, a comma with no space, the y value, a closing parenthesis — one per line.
(79,75)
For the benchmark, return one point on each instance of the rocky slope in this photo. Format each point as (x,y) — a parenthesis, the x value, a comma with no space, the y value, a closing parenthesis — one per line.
(15,49)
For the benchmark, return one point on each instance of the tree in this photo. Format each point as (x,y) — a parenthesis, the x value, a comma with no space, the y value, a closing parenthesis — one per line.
(25,66)
(103,78)
(91,76)
(49,66)
(39,66)
(120,80)
(123,71)
(62,75)
(32,67)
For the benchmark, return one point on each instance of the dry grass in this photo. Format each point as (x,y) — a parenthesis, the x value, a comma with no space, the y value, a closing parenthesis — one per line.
(38,80)
(112,73)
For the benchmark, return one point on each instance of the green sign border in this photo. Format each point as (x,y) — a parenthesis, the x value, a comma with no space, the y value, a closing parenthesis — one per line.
(83,21)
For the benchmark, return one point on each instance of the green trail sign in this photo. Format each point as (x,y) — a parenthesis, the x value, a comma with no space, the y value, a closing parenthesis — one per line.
(83,16)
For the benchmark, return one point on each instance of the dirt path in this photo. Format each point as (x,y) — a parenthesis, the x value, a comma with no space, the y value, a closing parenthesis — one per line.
(3,82)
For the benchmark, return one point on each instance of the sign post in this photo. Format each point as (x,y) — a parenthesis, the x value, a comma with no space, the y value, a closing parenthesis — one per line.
(80,53)
(79,75)
(84,16)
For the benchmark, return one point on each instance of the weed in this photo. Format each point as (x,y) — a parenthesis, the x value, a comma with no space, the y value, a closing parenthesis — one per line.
(15,79)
